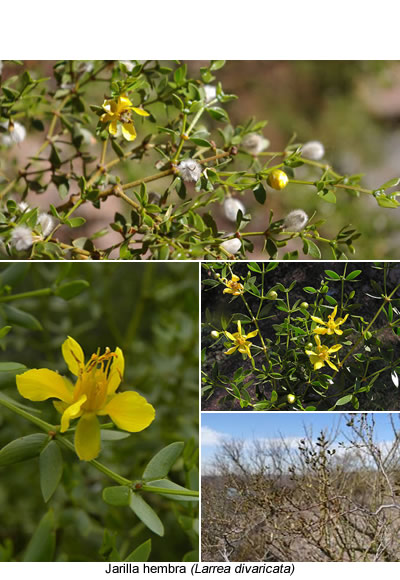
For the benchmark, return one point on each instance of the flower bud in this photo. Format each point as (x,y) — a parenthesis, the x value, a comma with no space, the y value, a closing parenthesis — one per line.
(232,246)
(309,346)
(254,143)
(291,399)
(232,207)
(215,334)
(210,93)
(190,170)
(304,305)
(16,133)
(277,179)
(21,238)
(295,221)
(313,150)
(272,295)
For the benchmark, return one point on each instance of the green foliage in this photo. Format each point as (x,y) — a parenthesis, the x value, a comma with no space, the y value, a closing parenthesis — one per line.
(340,351)
(85,159)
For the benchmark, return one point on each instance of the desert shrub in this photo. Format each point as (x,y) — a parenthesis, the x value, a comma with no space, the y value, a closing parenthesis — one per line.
(265,347)
(158,140)
(323,500)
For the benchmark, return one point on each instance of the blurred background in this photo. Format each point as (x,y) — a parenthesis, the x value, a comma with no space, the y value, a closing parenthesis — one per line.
(352,107)
(150,310)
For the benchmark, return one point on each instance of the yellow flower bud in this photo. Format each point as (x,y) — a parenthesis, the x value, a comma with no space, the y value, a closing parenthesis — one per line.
(291,399)
(272,295)
(304,305)
(215,334)
(278,179)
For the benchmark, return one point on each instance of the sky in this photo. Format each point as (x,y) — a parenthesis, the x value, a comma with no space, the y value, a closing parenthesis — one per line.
(216,427)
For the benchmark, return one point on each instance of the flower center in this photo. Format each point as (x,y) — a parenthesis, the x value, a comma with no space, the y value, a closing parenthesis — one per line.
(93,381)
(125,116)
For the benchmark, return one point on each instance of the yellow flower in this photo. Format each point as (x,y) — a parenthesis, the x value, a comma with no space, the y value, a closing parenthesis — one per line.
(321,354)
(332,326)
(277,179)
(120,111)
(240,341)
(94,393)
(233,286)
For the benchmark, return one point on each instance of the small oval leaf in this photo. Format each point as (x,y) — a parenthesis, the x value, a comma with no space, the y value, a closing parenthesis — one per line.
(23,448)
(141,553)
(160,465)
(51,468)
(118,495)
(146,514)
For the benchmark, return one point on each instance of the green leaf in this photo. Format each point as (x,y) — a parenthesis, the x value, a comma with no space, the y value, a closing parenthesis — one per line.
(353,274)
(254,267)
(330,299)
(112,435)
(55,158)
(72,289)
(118,495)
(217,64)
(166,484)
(22,449)
(327,195)
(141,553)
(385,201)
(21,318)
(259,193)
(309,290)
(160,465)
(200,142)
(51,468)
(14,273)
(332,275)
(391,183)
(7,367)
(344,400)
(146,514)
(75,222)
(312,249)
(43,542)
(218,114)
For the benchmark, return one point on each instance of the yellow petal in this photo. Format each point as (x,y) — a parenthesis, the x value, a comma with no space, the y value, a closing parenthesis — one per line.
(235,278)
(230,336)
(72,412)
(318,364)
(42,384)
(311,353)
(87,437)
(338,331)
(334,367)
(252,334)
(60,406)
(335,348)
(317,320)
(73,355)
(321,330)
(124,102)
(228,291)
(117,372)
(141,112)
(334,312)
(130,411)
(113,128)
(231,350)
(128,131)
